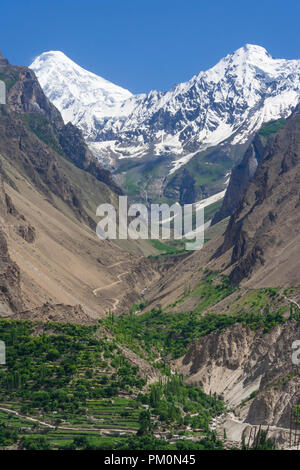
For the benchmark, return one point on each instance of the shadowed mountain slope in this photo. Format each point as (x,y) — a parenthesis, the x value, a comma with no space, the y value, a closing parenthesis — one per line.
(263,236)
(260,245)
(52,187)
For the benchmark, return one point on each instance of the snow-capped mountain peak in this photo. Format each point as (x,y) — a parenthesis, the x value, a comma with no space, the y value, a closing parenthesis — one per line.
(83,97)
(228,102)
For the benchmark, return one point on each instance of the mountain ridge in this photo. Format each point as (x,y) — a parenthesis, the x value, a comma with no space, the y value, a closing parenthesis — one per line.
(150,137)
(232,339)
(50,253)
(85,89)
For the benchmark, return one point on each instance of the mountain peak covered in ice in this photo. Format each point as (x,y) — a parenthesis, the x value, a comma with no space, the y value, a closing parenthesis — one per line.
(229,101)
(81,96)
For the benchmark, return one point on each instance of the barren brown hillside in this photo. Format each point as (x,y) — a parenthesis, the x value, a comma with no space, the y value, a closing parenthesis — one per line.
(51,188)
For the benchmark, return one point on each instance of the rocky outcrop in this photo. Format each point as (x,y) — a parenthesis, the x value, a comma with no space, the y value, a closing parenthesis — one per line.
(9,213)
(238,362)
(240,177)
(203,175)
(182,188)
(38,162)
(26,98)
(10,278)
(262,235)
(74,147)
(10,289)
(27,232)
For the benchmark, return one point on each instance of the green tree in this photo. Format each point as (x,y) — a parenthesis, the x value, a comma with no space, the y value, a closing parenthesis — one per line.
(144,422)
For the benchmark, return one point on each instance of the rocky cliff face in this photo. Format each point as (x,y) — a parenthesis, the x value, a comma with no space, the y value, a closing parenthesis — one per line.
(37,161)
(26,99)
(53,185)
(262,236)
(237,361)
(10,279)
(243,173)
(252,371)
(10,291)
(34,135)
(240,177)
(74,147)
(26,95)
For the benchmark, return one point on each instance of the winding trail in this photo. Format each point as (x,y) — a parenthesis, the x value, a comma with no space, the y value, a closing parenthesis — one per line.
(115,264)
(112,284)
(116,300)
(292,301)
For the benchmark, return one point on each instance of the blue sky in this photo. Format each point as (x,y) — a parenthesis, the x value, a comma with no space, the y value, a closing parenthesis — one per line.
(147,44)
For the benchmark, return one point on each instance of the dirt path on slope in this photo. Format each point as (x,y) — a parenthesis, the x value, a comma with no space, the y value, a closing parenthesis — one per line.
(112,284)
(292,301)
(115,300)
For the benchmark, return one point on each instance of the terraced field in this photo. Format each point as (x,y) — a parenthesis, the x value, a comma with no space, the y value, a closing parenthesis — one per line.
(70,386)
(56,438)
